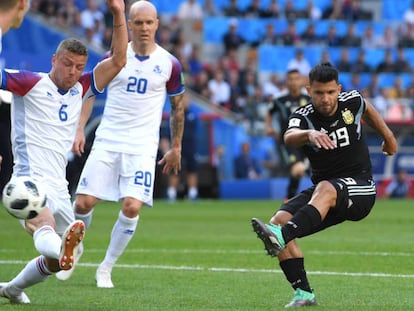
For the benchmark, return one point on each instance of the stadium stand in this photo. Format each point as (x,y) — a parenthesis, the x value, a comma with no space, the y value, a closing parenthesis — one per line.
(32,45)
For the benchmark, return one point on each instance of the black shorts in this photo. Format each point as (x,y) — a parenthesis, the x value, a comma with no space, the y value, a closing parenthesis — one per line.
(189,162)
(355,199)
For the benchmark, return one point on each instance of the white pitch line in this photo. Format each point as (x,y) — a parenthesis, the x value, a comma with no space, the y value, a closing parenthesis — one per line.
(223,269)
(241,251)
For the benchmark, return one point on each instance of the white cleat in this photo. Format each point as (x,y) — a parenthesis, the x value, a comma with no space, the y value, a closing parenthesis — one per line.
(64,275)
(103,278)
(19,299)
(71,239)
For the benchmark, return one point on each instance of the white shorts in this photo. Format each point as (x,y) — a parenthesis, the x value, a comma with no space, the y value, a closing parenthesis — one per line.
(111,176)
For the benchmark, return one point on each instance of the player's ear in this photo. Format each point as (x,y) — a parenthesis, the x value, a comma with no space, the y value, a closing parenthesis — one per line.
(308,88)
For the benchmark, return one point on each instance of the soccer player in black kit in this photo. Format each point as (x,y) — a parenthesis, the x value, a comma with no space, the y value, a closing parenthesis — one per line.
(292,159)
(329,131)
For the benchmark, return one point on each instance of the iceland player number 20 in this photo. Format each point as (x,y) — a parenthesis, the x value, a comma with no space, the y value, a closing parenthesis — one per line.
(137,85)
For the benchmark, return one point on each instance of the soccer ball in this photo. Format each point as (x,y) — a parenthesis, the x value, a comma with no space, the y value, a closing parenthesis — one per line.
(23,197)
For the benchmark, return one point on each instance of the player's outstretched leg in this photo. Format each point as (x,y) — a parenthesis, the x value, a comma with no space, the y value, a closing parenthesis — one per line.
(302,298)
(18,298)
(271,235)
(70,241)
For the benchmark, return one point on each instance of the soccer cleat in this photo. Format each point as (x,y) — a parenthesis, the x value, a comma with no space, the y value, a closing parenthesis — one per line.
(302,298)
(70,240)
(64,275)
(103,278)
(18,299)
(271,235)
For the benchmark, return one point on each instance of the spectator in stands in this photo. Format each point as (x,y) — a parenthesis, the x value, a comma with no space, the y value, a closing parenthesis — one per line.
(237,101)
(355,83)
(210,9)
(332,38)
(344,64)
(163,37)
(300,63)
(408,16)
(232,39)
(291,13)
(399,111)
(200,85)
(369,40)
(387,64)
(382,101)
(219,90)
(399,186)
(334,11)
(92,39)
(218,162)
(272,11)
(351,38)
(313,12)
(401,64)
(406,39)
(290,36)
(49,9)
(189,163)
(190,9)
(397,90)
(352,10)
(67,15)
(388,39)
(309,36)
(373,88)
(270,36)
(360,65)
(93,19)
(195,64)
(253,9)
(245,165)
(272,87)
(233,9)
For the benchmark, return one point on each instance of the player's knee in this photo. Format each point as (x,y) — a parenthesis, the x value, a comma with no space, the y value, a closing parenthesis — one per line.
(84,203)
(298,169)
(281,218)
(131,207)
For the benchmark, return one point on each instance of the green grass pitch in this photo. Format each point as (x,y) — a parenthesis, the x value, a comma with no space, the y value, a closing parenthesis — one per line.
(205,256)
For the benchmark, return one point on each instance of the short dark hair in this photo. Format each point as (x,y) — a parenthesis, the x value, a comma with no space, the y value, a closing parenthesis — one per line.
(293,70)
(72,45)
(323,72)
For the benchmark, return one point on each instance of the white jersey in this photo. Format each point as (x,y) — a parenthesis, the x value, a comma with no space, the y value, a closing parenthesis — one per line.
(134,105)
(44,121)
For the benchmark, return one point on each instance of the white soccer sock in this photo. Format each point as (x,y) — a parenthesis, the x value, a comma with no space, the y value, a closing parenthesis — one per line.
(47,242)
(192,193)
(86,218)
(122,233)
(172,193)
(34,272)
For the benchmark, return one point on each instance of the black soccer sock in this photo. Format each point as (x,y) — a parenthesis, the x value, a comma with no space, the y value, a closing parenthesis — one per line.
(293,186)
(302,223)
(294,270)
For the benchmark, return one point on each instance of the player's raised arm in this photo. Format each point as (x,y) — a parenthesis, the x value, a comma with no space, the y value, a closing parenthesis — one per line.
(106,70)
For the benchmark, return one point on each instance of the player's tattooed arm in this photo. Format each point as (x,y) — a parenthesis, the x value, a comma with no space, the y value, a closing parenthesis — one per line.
(172,159)
(177,120)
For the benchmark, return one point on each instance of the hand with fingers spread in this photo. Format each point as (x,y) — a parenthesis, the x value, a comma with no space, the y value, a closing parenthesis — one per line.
(321,140)
(171,161)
